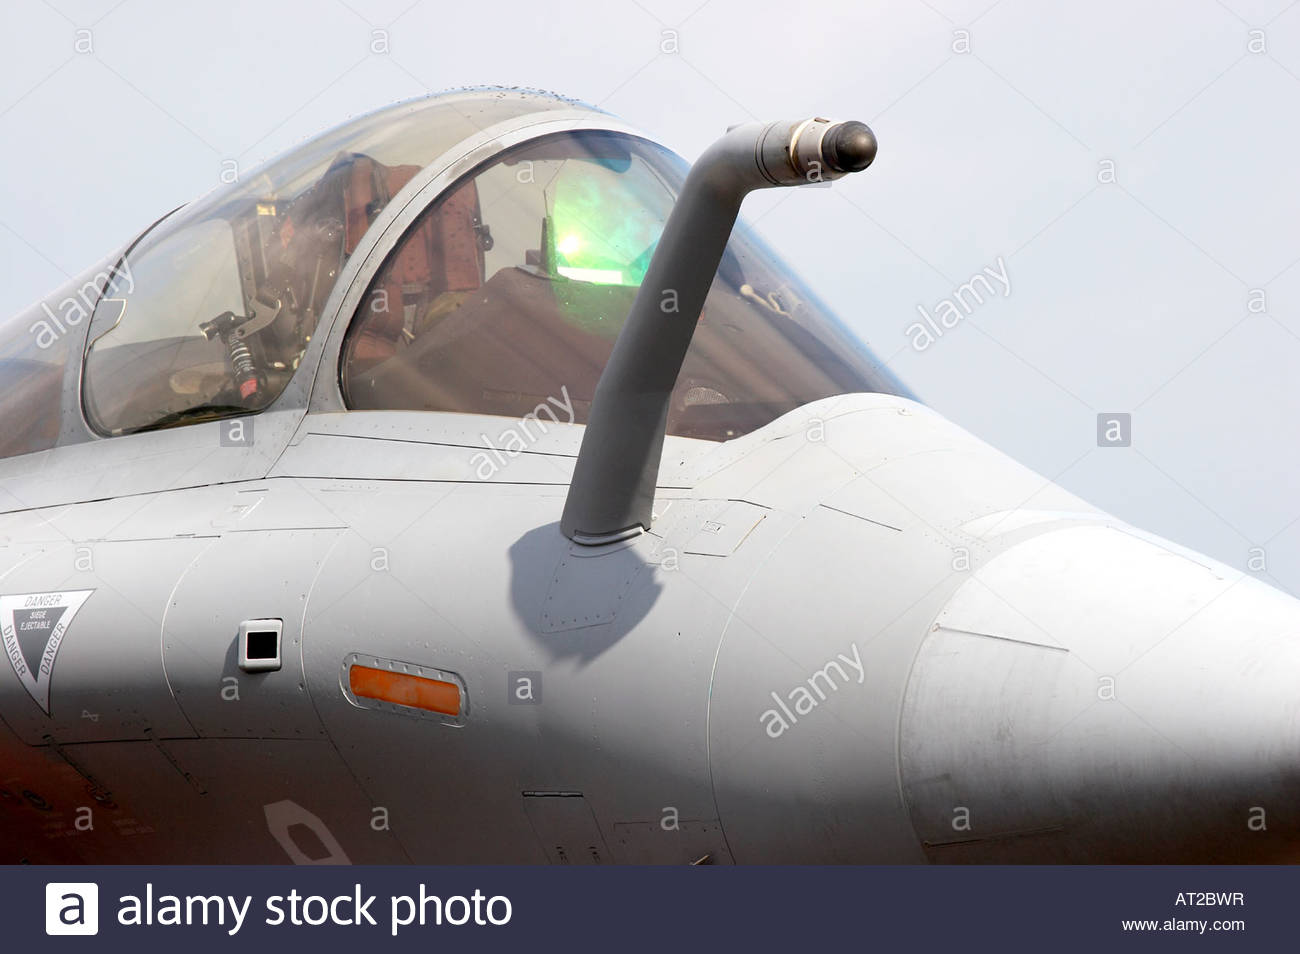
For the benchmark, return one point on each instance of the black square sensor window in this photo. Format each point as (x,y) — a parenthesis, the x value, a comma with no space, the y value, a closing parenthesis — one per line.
(259,645)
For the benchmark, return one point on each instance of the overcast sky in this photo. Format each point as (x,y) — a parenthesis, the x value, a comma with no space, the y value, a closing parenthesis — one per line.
(1129,165)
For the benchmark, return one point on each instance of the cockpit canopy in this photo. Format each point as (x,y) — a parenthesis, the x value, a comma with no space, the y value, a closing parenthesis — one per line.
(212,309)
(505,293)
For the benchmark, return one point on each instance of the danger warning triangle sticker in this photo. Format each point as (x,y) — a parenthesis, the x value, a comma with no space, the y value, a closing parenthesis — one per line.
(33,626)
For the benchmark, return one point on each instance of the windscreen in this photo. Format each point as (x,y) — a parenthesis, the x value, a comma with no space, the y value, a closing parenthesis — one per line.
(507,294)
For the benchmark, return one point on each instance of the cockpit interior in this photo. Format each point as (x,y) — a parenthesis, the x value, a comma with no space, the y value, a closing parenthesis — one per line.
(509,289)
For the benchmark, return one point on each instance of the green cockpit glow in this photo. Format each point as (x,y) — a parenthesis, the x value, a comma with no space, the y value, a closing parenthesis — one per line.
(606,219)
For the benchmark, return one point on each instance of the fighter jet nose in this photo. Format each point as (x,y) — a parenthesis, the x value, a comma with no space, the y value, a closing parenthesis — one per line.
(1090,695)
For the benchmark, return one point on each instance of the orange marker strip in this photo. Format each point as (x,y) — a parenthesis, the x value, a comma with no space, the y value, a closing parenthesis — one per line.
(404,689)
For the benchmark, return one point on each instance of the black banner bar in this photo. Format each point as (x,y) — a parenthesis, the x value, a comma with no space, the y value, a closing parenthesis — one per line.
(652,909)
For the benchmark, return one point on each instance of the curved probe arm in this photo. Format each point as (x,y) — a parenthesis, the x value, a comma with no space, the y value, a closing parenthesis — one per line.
(612,493)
